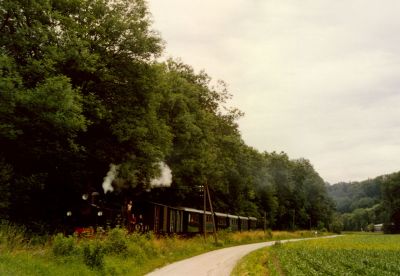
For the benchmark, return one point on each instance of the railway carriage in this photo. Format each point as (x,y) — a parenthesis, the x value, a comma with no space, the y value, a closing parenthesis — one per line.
(158,218)
(252,223)
(243,223)
(233,222)
(221,221)
(193,220)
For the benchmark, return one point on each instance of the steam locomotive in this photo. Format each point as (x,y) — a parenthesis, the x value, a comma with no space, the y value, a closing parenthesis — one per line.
(91,215)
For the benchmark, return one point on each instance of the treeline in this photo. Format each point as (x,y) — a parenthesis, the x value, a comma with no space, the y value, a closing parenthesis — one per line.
(360,205)
(81,88)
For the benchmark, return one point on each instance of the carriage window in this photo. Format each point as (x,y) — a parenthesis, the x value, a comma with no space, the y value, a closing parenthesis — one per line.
(193,218)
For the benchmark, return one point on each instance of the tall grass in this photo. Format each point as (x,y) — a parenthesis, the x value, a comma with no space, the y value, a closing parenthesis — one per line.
(116,253)
(11,236)
(18,237)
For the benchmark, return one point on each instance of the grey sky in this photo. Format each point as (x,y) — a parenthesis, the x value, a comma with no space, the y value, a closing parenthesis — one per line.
(317,79)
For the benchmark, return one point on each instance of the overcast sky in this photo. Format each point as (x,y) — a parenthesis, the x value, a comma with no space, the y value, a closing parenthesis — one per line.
(317,79)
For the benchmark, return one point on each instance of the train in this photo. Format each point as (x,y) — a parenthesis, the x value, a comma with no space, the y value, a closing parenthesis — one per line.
(163,219)
(92,215)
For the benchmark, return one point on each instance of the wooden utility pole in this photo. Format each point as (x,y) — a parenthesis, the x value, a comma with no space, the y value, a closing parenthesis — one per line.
(265,221)
(212,214)
(204,216)
(294,215)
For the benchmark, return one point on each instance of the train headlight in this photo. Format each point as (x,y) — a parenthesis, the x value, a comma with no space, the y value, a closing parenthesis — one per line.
(99,213)
(69,213)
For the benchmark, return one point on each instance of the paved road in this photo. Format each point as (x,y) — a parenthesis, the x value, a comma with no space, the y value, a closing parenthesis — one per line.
(215,263)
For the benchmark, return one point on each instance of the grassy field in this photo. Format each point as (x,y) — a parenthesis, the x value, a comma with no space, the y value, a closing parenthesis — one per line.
(115,253)
(355,254)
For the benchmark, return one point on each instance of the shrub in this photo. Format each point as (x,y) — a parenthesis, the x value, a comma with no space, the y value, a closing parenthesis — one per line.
(138,253)
(337,227)
(40,240)
(321,226)
(149,235)
(63,246)
(145,242)
(93,255)
(116,242)
(12,236)
(269,233)
(370,227)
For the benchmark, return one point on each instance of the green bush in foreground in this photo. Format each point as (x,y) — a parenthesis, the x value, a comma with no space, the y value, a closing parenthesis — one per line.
(116,242)
(93,254)
(12,236)
(63,246)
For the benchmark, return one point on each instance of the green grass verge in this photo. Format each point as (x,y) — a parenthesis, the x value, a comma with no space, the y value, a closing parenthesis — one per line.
(115,253)
(355,254)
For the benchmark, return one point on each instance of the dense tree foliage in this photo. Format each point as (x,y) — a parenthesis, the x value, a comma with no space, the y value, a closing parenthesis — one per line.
(81,88)
(373,201)
(354,195)
(391,202)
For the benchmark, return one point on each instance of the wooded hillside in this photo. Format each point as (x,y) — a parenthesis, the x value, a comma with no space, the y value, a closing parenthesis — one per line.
(373,201)
(81,88)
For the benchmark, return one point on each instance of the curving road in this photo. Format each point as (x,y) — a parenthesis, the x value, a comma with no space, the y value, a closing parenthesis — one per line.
(214,263)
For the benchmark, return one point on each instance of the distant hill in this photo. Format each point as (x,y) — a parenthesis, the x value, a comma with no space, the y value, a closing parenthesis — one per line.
(349,196)
(360,205)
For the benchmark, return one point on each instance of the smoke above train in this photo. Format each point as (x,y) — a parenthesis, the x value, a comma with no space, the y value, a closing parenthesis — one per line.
(163,180)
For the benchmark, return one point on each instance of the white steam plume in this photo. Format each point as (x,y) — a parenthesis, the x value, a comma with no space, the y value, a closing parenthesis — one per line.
(112,173)
(165,178)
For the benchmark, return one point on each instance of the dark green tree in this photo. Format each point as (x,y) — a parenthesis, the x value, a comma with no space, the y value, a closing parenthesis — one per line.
(81,88)
(77,94)
(391,201)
